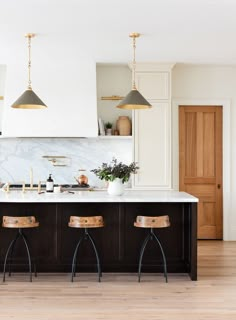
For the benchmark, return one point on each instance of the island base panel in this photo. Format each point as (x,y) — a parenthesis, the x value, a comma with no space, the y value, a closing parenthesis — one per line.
(118,242)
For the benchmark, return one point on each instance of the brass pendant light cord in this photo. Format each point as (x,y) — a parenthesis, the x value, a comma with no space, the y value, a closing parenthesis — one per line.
(29,62)
(134,35)
(134,99)
(134,63)
(29,99)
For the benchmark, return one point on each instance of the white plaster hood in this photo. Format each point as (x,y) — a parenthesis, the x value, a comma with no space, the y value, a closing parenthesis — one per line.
(64,79)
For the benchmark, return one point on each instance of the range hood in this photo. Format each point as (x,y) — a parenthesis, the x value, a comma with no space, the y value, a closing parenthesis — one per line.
(66,84)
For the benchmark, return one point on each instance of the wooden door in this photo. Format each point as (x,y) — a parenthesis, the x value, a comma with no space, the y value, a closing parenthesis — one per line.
(200,164)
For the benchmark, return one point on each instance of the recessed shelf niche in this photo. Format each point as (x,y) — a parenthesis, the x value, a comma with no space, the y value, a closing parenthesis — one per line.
(112,80)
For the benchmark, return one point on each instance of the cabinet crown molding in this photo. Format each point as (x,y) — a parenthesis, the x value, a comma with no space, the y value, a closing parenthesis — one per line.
(152,66)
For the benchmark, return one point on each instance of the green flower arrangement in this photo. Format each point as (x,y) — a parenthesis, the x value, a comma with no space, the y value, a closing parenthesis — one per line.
(115,169)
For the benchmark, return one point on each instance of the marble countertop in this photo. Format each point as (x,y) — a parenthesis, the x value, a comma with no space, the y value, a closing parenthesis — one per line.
(97,196)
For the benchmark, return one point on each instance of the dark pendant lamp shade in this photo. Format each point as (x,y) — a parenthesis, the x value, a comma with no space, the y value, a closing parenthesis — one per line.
(134,100)
(29,100)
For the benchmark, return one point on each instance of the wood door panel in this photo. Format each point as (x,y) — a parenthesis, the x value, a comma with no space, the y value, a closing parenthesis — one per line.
(208,218)
(209,230)
(201,191)
(191,154)
(209,209)
(200,164)
(199,180)
(208,143)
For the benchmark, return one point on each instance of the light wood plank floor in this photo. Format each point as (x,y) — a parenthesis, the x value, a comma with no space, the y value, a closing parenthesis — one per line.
(121,297)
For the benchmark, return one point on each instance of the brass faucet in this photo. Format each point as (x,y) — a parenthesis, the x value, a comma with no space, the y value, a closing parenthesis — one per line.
(31,187)
(7,185)
(39,185)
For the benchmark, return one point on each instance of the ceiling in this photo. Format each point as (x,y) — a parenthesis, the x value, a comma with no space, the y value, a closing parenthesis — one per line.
(182,31)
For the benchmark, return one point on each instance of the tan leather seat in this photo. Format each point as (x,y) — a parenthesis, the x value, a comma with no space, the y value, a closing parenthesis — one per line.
(152,222)
(19,222)
(86,222)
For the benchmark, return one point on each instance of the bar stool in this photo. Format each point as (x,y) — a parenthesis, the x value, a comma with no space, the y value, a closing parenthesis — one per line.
(19,223)
(86,223)
(151,223)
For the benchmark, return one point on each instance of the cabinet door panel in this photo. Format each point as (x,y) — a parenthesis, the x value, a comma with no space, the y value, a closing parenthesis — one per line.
(108,250)
(154,85)
(42,240)
(172,238)
(152,146)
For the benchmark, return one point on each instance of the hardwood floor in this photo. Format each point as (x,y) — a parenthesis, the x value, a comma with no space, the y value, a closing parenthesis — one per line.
(121,297)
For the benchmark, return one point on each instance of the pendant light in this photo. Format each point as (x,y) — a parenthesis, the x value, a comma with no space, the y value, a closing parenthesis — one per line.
(29,100)
(134,99)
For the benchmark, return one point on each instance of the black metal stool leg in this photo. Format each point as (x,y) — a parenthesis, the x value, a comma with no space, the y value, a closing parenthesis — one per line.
(75,256)
(35,270)
(11,253)
(97,256)
(28,253)
(163,254)
(34,263)
(5,260)
(141,255)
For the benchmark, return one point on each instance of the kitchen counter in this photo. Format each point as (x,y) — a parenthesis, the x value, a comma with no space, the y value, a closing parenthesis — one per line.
(118,242)
(97,196)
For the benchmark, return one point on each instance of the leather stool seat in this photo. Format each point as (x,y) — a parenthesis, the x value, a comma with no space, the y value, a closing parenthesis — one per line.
(19,222)
(86,222)
(152,222)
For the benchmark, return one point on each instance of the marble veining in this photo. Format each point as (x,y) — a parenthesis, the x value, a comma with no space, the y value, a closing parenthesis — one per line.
(18,155)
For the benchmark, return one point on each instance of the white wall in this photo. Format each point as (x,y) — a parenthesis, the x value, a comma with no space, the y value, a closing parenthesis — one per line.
(64,78)
(2,90)
(208,85)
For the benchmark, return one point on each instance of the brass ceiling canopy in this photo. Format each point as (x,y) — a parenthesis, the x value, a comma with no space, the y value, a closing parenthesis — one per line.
(134,99)
(29,100)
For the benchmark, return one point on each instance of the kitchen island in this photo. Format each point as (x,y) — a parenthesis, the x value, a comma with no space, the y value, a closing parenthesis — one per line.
(118,242)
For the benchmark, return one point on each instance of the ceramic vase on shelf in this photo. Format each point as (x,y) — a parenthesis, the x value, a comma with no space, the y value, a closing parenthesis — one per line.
(108,132)
(123,124)
(116,187)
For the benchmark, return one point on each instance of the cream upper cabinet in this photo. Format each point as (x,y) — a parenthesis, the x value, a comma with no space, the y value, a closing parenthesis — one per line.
(159,88)
(152,128)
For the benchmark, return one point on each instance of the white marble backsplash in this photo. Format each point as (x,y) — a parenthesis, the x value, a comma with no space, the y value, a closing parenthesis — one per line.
(19,155)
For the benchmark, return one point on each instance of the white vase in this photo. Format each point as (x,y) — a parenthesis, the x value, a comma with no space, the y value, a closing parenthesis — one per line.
(108,132)
(116,187)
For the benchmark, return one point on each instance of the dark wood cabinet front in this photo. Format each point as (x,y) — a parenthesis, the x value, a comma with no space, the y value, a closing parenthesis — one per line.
(118,242)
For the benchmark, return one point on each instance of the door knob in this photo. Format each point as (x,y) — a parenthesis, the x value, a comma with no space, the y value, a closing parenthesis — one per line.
(218,186)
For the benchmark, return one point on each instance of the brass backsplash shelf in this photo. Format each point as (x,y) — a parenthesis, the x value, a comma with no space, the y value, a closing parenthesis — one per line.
(114,98)
(58,161)
(54,157)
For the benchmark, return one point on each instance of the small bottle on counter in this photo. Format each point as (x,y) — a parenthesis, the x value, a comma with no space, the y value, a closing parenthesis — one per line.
(49,184)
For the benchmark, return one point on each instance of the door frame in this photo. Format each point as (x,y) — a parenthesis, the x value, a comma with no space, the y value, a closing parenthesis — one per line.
(225,103)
